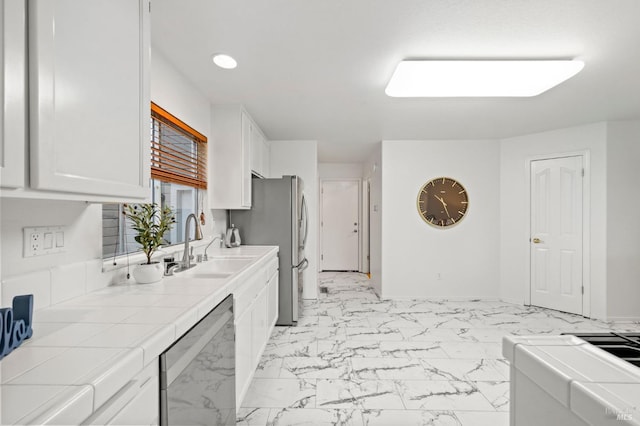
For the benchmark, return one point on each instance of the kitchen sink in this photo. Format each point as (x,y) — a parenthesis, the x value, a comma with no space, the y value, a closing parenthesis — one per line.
(218,267)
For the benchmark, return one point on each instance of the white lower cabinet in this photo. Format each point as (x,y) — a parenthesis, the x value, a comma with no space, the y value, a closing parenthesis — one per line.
(137,403)
(244,361)
(259,327)
(254,321)
(272,308)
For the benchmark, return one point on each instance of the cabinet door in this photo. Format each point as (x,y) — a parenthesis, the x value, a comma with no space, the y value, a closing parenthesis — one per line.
(89,96)
(13,91)
(259,329)
(272,308)
(143,409)
(266,158)
(247,130)
(244,359)
(256,160)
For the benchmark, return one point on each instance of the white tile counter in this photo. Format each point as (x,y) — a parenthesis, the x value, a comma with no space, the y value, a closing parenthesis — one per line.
(566,377)
(84,350)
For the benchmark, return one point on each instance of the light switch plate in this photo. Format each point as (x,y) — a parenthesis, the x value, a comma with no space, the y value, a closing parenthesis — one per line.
(43,240)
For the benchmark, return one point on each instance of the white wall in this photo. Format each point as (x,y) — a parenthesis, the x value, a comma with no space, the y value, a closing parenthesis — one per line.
(173,92)
(83,236)
(623,224)
(413,253)
(372,171)
(340,170)
(515,155)
(301,158)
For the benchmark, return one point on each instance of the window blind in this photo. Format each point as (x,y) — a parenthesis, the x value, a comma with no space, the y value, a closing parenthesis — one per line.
(178,152)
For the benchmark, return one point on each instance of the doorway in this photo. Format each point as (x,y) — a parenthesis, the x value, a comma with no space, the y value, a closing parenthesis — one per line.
(557,233)
(340,226)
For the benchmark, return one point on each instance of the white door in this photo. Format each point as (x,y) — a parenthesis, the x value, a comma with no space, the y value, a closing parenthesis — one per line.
(340,225)
(556,233)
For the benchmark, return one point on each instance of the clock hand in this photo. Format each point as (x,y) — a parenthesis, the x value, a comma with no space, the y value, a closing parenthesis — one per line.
(443,204)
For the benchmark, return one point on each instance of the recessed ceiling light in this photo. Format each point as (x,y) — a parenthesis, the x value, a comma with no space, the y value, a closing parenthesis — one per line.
(479,78)
(224,61)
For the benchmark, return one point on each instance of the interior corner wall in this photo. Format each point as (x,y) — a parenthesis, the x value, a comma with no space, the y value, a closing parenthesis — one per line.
(623,224)
(421,261)
(372,171)
(515,155)
(300,158)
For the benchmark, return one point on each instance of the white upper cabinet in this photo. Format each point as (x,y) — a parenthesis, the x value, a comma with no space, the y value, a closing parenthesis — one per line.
(259,153)
(13,90)
(231,157)
(89,97)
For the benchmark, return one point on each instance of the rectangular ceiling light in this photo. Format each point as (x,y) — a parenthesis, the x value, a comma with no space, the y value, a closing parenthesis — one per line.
(479,78)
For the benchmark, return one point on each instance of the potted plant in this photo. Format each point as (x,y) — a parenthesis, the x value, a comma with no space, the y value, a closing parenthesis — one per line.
(150,221)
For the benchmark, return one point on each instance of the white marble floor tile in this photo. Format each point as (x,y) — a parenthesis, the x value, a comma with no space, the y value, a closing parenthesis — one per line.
(467,350)
(397,321)
(406,417)
(442,395)
(281,349)
(280,393)
(388,369)
(483,418)
(315,368)
(462,369)
(497,393)
(370,333)
(313,417)
(315,333)
(404,349)
(344,321)
(486,335)
(356,360)
(252,416)
(378,394)
(269,368)
(431,334)
(349,349)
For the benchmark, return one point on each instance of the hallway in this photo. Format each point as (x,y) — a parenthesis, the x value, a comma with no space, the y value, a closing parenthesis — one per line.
(356,360)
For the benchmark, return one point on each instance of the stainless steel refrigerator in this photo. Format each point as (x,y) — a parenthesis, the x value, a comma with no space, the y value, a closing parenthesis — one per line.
(279,216)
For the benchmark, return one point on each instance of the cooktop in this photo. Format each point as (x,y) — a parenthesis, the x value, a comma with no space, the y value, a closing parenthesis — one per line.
(625,346)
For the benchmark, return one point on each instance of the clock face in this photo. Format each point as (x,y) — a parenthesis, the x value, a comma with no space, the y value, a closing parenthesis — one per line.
(442,202)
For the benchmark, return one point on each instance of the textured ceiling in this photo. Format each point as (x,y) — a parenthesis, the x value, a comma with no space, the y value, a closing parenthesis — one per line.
(318,69)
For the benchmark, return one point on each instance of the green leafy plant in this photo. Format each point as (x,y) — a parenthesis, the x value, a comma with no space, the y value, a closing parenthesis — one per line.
(151,222)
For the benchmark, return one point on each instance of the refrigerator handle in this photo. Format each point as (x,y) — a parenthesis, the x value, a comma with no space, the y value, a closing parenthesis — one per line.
(302,265)
(305,221)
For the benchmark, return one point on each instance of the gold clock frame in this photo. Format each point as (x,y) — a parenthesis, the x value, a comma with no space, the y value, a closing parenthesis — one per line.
(435,225)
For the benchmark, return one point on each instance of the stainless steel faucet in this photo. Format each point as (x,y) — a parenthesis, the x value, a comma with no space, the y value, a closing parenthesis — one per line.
(186,256)
(205,257)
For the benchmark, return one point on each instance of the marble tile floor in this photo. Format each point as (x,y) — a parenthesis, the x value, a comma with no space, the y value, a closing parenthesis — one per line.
(356,360)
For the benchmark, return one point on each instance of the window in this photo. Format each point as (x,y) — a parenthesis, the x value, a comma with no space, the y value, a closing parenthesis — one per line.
(178,172)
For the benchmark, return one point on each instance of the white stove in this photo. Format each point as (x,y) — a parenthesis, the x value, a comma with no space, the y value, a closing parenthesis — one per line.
(566,380)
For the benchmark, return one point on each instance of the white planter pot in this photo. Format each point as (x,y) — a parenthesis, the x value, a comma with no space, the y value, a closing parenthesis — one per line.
(146,274)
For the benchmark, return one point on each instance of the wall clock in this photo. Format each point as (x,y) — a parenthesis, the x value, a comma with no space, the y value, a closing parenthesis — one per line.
(442,202)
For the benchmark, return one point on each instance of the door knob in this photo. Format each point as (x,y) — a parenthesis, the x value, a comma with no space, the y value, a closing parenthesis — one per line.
(536,241)
(355,231)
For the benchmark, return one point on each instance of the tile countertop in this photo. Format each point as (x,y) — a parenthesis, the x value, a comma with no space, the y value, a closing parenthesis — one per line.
(595,385)
(84,350)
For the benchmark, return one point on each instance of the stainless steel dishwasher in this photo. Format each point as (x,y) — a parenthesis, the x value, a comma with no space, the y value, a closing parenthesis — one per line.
(197,373)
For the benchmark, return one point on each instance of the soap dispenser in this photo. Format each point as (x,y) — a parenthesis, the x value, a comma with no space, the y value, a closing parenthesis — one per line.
(232,238)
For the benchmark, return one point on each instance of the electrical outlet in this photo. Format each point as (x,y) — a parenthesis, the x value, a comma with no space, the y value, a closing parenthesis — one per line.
(43,240)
